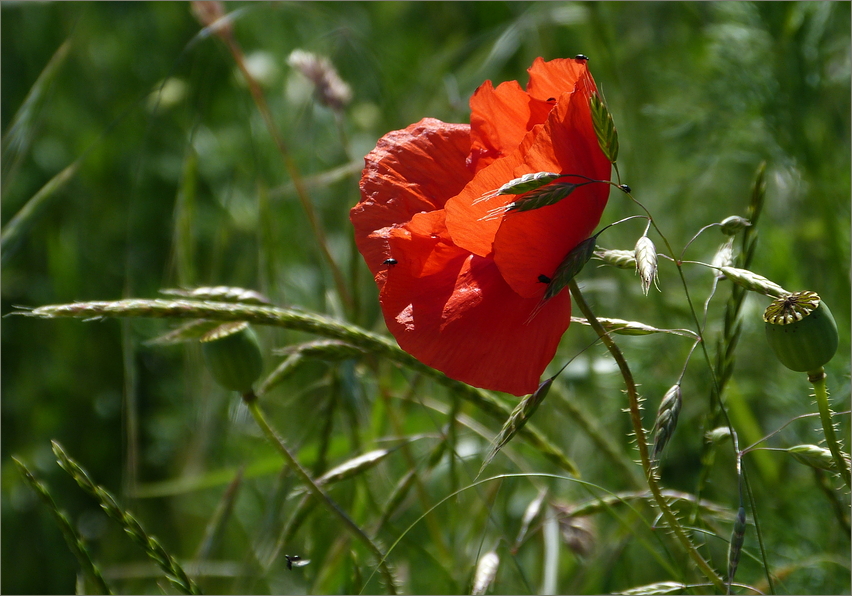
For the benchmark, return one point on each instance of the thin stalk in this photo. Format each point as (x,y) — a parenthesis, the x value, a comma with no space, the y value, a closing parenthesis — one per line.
(817,379)
(311,323)
(152,547)
(290,165)
(73,539)
(251,401)
(641,443)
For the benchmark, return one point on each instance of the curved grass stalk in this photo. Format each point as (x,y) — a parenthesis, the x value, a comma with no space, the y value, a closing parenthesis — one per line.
(300,321)
(606,504)
(74,540)
(251,401)
(641,443)
(289,163)
(155,551)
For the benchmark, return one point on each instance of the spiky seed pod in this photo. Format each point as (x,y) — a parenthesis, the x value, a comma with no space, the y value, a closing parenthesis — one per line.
(666,421)
(520,416)
(486,571)
(815,457)
(753,282)
(646,262)
(736,546)
(801,331)
(623,259)
(232,354)
(733,224)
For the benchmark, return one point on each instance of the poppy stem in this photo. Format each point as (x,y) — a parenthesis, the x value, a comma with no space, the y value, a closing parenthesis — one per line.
(641,443)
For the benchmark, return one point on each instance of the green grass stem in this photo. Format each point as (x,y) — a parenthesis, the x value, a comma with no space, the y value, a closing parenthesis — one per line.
(300,320)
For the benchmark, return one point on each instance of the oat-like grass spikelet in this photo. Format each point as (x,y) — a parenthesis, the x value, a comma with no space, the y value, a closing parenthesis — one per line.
(622,259)
(646,263)
(666,421)
(520,415)
(736,546)
(486,571)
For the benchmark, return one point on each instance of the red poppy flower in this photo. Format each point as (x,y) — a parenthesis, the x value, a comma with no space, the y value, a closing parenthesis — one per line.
(459,277)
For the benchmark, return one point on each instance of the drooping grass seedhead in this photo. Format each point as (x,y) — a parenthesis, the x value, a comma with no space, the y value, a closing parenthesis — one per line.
(666,420)
(646,263)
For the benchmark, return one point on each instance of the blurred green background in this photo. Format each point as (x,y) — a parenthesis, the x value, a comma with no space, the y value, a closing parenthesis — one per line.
(179,184)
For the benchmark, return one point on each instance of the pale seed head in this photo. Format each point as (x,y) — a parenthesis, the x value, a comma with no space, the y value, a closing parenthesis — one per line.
(331,90)
(733,224)
(486,571)
(753,282)
(724,257)
(815,456)
(646,262)
(623,259)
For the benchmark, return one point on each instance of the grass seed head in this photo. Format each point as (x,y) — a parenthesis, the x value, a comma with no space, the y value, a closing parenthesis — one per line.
(733,224)
(815,457)
(667,415)
(486,571)
(331,90)
(623,259)
(646,262)
(724,257)
(753,282)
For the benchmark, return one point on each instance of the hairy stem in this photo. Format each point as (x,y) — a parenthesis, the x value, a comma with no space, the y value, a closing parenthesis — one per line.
(817,379)
(641,443)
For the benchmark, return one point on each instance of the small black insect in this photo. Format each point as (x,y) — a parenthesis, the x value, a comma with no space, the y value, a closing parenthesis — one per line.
(624,188)
(551,99)
(581,57)
(544,279)
(296,561)
(390,262)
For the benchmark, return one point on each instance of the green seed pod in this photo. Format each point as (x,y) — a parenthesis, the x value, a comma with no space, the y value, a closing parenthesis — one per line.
(232,354)
(801,331)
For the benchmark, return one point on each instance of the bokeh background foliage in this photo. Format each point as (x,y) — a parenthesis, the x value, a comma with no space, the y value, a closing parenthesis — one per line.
(179,184)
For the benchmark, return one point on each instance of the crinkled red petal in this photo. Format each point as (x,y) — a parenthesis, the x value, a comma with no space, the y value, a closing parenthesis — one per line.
(499,120)
(465,321)
(527,244)
(410,171)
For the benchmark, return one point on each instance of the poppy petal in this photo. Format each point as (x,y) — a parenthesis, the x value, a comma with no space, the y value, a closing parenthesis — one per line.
(555,77)
(465,321)
(410,171)
(499,120)
(532,243)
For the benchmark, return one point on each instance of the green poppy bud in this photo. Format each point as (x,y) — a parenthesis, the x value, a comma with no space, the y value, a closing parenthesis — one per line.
(232,354)
(801,331)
